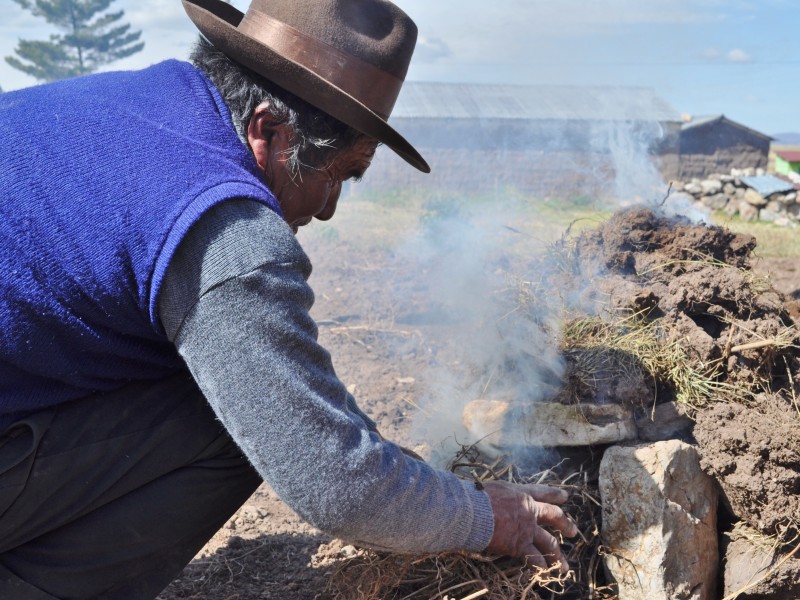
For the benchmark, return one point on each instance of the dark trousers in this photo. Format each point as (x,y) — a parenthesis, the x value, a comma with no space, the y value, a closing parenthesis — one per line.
(112,495)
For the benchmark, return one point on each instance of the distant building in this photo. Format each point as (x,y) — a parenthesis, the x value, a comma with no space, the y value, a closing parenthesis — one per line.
(716,144)
(786,161)
(549,140)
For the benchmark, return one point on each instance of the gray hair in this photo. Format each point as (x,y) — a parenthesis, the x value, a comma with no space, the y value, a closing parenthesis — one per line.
(318,137)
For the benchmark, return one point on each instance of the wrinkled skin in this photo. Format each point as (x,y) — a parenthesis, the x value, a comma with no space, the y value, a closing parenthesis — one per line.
(523,514)
(311,193)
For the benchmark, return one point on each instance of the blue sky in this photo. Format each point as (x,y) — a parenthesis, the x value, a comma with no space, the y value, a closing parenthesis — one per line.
(740,58)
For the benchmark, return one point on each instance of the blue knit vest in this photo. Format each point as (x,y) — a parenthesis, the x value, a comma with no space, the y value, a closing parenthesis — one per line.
(101,177)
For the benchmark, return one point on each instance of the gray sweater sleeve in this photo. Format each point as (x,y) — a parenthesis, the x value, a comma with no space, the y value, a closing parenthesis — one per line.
(236,304)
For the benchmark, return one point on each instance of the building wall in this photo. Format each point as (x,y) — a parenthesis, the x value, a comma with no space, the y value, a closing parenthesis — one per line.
(544,158)
(784,167)
(719,147)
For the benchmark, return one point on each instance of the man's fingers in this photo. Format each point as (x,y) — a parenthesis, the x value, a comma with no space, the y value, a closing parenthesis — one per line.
(534,559)
(545,493)
(555,518)
(549,548)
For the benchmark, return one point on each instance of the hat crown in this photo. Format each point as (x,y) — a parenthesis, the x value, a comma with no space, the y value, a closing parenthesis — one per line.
(375,31)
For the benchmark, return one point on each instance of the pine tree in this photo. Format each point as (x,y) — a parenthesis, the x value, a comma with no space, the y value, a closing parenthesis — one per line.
(85,46)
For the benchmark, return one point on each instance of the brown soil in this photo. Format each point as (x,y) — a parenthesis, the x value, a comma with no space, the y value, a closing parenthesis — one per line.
(383,351)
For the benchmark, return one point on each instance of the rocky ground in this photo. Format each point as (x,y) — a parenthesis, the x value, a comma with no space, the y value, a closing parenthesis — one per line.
(383,350)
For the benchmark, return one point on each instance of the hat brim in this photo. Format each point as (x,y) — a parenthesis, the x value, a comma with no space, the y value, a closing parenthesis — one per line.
(218,22)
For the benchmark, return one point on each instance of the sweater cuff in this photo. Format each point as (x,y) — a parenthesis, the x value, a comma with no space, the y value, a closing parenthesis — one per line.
(482,519)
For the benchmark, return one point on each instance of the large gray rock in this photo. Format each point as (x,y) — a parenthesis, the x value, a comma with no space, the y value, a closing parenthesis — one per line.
(753,570)
(666,421)
(747,212)
(659,522)
(754,198)
(693,188)
(729,189)
(769,214)
(716,201)
(711,186)
(503,425)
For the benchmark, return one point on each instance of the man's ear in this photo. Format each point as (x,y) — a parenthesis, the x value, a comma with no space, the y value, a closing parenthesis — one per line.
(269,139)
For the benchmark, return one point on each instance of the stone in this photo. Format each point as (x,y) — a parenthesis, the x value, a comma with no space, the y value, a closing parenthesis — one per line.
(711,186)
(665,421)
(754,198)
(501,424)
(716,201)
(747,212)
(729,188)
(779,198)
(775,206)
(751,569)
(768,215)
(732,209)
(791,198)
(793,212)
(693,188)
(659,522)
(726,178)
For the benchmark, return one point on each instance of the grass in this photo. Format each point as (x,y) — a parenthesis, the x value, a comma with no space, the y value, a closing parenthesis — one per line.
(386,218)
(773,241)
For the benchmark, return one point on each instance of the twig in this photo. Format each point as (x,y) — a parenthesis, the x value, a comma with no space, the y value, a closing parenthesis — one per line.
(666,196)
(455,587)
(477,594)
(754,345)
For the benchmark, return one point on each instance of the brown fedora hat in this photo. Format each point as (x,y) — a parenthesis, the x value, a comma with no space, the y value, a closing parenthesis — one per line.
(346,57)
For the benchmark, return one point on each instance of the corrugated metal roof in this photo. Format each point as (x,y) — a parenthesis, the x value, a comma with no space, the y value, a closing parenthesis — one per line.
(476,101)
(789,155)
(768,184)
(703,120)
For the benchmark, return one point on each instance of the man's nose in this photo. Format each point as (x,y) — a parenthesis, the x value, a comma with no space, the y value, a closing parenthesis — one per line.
(330,206)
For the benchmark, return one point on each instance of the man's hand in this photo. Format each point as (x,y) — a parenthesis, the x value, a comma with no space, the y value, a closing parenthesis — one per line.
(521,512)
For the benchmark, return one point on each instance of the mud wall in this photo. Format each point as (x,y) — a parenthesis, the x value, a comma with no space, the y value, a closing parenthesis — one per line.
(719,147)
(562,159)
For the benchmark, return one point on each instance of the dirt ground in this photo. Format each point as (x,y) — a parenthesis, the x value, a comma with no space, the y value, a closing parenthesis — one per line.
(383,351)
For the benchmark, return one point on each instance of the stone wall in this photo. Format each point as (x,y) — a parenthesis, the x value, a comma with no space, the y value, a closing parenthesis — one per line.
(728,193)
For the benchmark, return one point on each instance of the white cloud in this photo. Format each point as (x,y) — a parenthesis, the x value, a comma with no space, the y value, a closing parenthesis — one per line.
(738,55)
(429,50)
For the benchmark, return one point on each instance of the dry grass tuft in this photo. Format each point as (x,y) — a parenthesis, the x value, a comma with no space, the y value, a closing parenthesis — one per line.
(646,347)
(373,575)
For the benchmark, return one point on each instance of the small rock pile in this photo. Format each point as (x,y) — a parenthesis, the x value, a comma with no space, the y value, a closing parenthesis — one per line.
(731,194)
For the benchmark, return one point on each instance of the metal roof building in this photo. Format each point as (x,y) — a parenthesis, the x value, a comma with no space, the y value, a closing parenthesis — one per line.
(518,102)
(543,139)
(716,144)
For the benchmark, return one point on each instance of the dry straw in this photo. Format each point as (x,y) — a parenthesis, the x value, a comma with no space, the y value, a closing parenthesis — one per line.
(373,575)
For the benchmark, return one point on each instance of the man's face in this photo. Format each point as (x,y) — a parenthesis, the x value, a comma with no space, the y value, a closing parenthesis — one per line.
(313,193)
